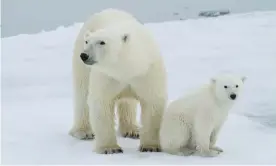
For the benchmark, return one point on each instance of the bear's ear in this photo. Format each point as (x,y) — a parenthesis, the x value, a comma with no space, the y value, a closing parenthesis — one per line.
(87,34)
(213,80)
(244,78)
(125,38)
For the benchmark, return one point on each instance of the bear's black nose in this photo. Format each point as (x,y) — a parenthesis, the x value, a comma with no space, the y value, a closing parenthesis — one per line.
(84,56)
(233,96)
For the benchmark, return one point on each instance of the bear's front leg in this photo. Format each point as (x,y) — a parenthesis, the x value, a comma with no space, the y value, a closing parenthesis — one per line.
(81,128)
(201,134)
(102,118)
(151,116)
(213,140)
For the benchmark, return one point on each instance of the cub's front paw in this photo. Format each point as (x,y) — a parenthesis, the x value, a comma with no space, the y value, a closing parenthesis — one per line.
(82,134)
(209,153)
(216,148)
(185,151)
(149,148)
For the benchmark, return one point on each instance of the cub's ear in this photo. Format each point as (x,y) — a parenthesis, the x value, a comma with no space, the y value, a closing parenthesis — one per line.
(244,78)
(125,38)
(87,34)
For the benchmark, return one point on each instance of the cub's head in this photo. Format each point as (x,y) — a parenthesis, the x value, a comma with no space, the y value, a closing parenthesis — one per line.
(102,47)
(227,88)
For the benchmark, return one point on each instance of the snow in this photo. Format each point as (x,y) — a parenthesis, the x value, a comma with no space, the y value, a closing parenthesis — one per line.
(37,91)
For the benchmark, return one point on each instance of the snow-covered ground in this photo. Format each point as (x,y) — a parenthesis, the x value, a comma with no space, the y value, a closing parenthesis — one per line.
(37,93)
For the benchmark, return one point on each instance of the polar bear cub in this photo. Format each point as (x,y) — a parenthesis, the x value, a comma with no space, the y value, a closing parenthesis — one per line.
(192,123)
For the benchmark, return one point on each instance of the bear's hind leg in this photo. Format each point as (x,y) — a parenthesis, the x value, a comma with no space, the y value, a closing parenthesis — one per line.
(175,135)
(127,118)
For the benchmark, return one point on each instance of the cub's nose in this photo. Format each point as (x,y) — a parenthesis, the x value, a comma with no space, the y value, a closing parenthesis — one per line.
(84,56)
(233,96)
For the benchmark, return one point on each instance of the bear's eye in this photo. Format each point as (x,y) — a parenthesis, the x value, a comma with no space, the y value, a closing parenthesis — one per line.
(225,87)
(86,42)
(102,43)
(237,86)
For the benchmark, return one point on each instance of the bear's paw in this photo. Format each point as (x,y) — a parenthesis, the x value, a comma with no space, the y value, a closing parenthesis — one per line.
(130,132)
(216,148)
(110,150)
(150,148)
(82,134)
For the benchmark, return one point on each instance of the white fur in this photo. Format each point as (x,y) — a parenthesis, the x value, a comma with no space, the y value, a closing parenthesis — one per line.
(192,123)
(129,66)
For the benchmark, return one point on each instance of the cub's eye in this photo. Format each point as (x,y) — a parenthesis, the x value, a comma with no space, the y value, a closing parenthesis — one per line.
(237,86)
(102,43)
(225,87)
(86,42)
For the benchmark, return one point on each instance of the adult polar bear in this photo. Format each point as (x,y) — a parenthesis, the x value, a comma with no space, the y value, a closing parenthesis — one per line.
(116,58)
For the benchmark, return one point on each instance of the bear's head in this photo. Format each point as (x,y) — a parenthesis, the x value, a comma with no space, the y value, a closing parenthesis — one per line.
(227,87)
(102,47)
(121,52)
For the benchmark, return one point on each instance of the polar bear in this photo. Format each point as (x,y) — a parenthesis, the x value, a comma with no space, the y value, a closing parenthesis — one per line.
(116,61)
(192,123)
